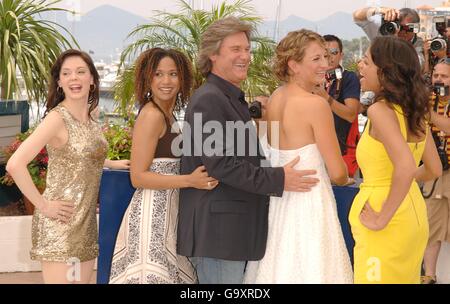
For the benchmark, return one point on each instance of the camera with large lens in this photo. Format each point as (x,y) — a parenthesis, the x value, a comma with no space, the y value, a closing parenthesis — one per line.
(444,159)
(333,74)
(441,90)
(255,109)
(441,41)
(438,44)
(389,27)
(392,27)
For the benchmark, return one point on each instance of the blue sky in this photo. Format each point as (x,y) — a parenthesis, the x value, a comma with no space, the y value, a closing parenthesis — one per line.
(311,10)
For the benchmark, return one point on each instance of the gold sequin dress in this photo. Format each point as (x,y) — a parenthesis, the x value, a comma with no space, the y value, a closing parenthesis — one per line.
(74,173)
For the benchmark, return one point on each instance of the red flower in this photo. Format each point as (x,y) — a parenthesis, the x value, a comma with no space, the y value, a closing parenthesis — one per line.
(39,162)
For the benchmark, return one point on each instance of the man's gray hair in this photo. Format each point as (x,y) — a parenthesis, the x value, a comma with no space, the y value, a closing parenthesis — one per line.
(214,35)
(409,12)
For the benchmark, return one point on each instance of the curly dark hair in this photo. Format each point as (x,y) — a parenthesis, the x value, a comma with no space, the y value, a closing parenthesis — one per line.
(401,80)
(145,69)
(56,96)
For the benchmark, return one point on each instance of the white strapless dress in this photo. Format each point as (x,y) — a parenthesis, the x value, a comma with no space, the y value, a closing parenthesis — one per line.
(305,243)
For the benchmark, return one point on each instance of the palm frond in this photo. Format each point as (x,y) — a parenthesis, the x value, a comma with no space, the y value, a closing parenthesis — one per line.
(183,31)
(29,45)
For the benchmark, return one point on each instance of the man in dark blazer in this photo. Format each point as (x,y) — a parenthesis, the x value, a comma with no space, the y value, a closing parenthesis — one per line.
(223,228)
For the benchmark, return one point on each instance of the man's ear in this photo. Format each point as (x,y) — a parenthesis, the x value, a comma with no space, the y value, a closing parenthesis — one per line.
(213,58)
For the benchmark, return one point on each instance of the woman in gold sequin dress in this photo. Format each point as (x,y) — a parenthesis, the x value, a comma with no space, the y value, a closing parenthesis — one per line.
(145,251)
(64,229)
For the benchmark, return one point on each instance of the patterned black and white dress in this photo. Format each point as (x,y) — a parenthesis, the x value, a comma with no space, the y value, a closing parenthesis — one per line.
(145,251)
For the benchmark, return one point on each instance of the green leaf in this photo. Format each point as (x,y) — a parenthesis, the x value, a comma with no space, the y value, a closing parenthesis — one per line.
(183,31)
(29,44)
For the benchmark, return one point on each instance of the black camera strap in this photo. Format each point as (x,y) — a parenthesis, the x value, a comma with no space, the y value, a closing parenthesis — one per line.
(337,92)
(440,138)
(436,103)
(433,187)
(414,40)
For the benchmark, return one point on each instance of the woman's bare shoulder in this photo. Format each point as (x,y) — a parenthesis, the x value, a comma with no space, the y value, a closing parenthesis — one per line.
(380,109)
(151,114)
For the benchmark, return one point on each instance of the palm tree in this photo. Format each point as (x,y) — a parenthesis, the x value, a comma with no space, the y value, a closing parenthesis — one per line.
(183,31)
(29,45)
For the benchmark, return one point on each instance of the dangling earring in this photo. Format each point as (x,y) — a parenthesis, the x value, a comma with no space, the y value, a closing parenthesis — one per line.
(93,88)
(178,103)
(59,90)
(149,95)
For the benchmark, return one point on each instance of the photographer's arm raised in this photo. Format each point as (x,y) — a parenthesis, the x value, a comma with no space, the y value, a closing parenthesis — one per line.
(360,15)
(390,14)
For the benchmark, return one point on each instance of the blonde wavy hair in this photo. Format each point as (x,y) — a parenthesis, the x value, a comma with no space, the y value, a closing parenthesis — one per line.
(293,47)
(214,35)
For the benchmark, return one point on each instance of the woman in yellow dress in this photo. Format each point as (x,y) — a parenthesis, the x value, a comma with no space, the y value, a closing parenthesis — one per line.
(388,216)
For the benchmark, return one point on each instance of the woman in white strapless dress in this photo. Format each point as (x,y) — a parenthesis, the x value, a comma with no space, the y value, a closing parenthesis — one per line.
(305,243)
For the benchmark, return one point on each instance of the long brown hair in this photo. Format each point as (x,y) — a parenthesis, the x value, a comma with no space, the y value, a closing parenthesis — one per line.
(56,96)
(145,69)
(401,80)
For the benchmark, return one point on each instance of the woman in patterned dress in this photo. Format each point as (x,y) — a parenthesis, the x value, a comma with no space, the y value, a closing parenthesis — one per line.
(64,229)
(145,249)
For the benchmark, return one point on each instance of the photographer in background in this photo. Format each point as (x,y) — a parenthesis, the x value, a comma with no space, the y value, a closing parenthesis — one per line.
(438,48)
(370,20)
(432,57)
(342,90)
(438,203)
